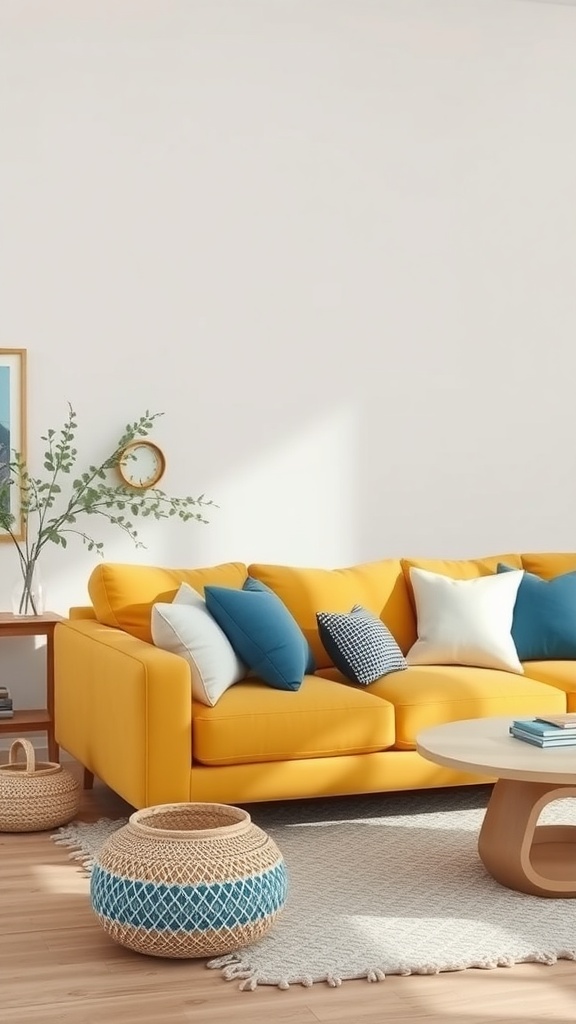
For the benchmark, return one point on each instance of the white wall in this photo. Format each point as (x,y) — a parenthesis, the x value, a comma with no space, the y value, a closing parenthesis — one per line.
(333,240)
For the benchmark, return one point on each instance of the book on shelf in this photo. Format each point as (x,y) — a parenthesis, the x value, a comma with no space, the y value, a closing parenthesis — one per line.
(5,699)
(543,742)
(6,714)
(539,728)
(561,721)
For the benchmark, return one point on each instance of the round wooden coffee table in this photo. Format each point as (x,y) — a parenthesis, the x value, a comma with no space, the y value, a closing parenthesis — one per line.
(518,853)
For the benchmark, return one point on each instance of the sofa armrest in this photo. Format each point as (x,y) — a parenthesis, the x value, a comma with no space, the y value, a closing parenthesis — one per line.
(123,708)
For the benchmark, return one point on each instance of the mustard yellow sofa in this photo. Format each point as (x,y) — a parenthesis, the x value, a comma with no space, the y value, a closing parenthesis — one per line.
(123,707)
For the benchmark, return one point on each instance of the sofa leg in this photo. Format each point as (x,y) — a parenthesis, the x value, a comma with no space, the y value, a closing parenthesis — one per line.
(88,779)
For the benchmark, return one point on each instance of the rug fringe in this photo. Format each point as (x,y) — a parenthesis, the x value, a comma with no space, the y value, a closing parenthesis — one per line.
(234,969)
(222,961)
(68,835)
(86,860)
(376,975)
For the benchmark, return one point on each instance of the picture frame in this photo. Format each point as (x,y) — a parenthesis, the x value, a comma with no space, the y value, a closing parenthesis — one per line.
(12,426)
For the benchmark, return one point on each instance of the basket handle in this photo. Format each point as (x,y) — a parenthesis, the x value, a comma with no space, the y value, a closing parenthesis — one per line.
(29,752)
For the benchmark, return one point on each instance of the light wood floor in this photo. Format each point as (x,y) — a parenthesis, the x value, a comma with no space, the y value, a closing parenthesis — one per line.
(58,967)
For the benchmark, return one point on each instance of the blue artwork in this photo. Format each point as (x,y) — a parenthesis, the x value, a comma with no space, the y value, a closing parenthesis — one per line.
(4,425)
(12,436)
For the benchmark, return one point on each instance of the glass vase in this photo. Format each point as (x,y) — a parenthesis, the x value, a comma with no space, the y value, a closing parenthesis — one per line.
(28,592)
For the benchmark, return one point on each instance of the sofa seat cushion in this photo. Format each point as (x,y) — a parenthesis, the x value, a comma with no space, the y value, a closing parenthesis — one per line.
(123,594)
(253,722)
(378,586)
(561,674)
(427,695)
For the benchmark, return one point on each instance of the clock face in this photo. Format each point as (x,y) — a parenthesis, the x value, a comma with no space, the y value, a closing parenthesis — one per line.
(141,464)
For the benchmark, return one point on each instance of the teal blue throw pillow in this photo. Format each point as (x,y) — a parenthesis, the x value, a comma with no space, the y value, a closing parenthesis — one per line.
(258,624)
(544,622)
(255,585)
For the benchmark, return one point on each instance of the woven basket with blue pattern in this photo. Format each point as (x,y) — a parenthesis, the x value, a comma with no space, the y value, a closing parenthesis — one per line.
(188,880)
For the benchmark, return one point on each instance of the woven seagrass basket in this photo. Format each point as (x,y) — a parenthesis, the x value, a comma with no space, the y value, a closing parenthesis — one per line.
(35,796)
(188,880)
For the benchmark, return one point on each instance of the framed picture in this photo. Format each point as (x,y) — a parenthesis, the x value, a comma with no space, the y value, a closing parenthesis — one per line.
(12,425)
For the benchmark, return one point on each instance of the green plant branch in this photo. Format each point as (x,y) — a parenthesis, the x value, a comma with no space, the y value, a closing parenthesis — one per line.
(155,503)
(91,494)
(56,462)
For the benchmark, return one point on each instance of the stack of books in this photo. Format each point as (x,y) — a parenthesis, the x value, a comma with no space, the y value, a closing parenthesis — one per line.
(6,708)
(551,731)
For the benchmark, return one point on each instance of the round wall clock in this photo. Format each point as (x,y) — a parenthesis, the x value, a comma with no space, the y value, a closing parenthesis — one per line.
(141,464)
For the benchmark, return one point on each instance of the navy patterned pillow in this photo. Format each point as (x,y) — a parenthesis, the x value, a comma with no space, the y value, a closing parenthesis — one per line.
(360,645)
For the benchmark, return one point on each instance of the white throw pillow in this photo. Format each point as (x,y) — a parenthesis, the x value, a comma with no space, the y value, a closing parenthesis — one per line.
(465,622)
(186,627)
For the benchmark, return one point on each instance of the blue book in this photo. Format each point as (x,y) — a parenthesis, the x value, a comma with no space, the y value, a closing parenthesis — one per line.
(542,741)
(542,728)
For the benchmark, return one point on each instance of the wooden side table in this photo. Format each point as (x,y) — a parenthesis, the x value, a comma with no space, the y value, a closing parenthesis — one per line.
(36,719)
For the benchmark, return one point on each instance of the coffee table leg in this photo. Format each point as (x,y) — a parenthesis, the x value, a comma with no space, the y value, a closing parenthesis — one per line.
(540,860)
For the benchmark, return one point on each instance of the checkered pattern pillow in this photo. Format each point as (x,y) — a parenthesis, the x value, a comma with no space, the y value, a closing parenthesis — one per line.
(360,645)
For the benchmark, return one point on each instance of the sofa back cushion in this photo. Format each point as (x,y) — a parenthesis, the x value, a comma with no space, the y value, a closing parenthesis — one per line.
(378,586)
(549,564)
(122,595)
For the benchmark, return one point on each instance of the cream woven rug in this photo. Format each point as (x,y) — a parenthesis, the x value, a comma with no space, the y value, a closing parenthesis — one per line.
(388,884)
